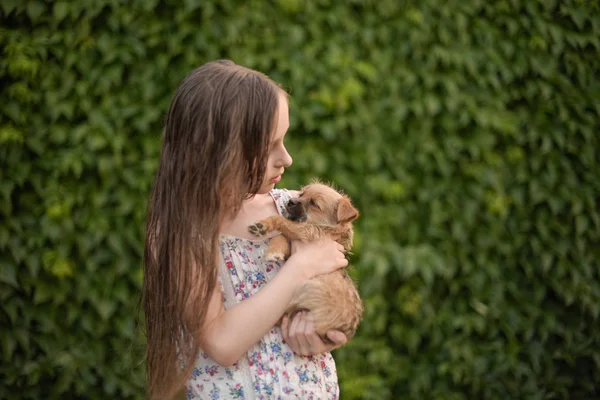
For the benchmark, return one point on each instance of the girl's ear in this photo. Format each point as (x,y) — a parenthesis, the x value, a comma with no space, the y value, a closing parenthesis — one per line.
(346,211)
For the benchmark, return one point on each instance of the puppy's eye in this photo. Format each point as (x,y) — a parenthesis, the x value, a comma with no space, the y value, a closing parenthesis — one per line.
(314,204)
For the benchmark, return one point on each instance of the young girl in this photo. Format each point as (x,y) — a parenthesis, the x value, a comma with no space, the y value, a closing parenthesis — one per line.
(211,301)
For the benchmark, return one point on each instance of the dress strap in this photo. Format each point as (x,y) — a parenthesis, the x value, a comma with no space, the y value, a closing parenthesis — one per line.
(281,198)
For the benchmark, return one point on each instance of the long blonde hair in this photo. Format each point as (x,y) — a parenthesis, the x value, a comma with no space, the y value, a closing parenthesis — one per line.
(215,147)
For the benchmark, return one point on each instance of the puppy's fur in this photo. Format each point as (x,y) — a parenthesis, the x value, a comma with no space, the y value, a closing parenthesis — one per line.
(318,212)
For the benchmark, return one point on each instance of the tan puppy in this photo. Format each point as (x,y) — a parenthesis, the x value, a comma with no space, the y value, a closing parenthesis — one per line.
(318,212)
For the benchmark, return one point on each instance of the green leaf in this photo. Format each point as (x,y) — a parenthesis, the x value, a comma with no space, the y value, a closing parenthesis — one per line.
(60,10)
(35,9)
(9,344)
(8,274)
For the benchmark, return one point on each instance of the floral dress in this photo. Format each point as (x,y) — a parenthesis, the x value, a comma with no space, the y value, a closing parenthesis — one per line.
(270,369)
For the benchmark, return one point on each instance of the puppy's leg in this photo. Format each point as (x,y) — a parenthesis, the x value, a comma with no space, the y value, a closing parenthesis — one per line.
(259,229)
(267,225)
(279,249)
(303,231)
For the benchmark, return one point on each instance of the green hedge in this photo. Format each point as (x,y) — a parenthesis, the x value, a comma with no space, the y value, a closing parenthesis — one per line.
(466,131)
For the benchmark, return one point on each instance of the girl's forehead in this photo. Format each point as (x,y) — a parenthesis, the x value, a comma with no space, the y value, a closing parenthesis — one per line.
(278,135)
(283,119)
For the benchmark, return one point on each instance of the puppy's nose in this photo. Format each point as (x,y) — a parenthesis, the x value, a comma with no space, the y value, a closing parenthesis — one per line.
(293,203)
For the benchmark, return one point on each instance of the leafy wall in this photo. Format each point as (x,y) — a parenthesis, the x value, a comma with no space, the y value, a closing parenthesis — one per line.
(467,132)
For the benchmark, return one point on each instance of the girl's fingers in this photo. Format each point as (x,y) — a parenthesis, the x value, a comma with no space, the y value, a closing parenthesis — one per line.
(337,337)
(301,336)
(292,337)
(285,324)
(316,344)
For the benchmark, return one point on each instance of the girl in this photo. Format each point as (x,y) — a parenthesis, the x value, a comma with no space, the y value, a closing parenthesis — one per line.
(211,301)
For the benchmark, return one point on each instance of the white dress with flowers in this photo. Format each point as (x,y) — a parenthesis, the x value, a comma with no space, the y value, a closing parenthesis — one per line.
(270,369)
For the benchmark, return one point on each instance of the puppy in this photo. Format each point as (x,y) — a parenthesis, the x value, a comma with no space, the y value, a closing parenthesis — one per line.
(318,212)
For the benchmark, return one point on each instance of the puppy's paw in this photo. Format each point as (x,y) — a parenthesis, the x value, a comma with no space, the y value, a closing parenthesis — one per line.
(274,257)
(257,229)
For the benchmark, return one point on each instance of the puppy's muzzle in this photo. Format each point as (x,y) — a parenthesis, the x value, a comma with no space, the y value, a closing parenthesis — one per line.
(295,211)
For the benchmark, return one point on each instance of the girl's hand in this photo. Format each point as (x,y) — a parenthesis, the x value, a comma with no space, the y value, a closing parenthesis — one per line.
(317,258)
(300,335)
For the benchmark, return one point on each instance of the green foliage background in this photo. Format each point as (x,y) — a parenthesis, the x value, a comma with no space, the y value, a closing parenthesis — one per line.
(466,131)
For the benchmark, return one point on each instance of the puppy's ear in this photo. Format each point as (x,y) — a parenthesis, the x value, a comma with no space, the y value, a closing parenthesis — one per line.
(346,211)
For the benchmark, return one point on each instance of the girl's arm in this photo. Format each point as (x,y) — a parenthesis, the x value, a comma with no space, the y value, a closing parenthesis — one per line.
(228,334)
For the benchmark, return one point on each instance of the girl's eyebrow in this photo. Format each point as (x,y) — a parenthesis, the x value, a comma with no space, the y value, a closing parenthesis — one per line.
(273,141)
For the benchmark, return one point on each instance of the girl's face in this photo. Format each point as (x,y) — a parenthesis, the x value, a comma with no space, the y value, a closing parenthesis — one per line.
(279,158)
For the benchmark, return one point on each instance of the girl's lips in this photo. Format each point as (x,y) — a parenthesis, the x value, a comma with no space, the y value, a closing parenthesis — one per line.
(276,179)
